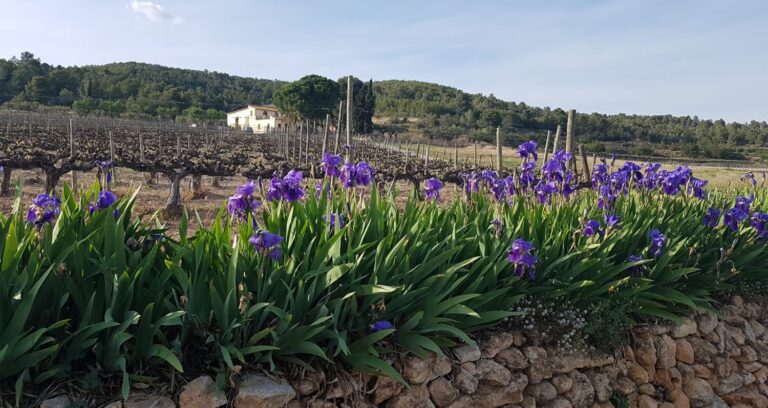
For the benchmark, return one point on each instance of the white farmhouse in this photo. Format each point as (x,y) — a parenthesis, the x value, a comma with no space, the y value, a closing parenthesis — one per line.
(257,119)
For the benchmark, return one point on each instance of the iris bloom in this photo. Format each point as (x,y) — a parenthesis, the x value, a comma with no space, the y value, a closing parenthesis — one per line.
(242,204)
(638,269)
(380,325)
(528,149)
(106,199)
(331,164)
(712,217)
(336,219)
(750,177)
(612,220)
(591,228)
(759,220)
(733,217)
(266,242)
(288,189)
(44,209)
(657,242)
(432,189)
(522,257)
(353,175)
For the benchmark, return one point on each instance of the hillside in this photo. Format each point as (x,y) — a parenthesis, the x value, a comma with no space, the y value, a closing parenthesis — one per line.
(138,89)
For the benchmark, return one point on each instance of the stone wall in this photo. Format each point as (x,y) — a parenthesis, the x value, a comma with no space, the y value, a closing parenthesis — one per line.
(704,362)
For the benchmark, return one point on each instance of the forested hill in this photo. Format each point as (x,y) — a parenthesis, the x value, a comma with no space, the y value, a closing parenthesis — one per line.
(446,111)
(133,87)
(138,89)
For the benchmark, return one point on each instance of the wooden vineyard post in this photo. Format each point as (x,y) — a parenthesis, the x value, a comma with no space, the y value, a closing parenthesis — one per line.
(141,148)
(112,159)
(546,147)
(325,133)
(474,144)
(426,160)
(306,146)
(498,151)
(418,151)
(178,147)
(569,138)
(455,155)
(72,154)
(5,185)
(557,140)
(338,128)
(349,117)
(445,150)
(594,161)
(584,164)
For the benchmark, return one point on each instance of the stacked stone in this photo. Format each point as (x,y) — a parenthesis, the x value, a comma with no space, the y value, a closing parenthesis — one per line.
(706,361)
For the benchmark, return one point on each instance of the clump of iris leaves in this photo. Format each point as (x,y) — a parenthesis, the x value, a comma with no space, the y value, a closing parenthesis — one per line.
(95,288)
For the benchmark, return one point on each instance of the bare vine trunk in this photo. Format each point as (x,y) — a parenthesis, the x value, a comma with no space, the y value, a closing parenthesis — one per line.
(5,187)
(197,187)
(173,206)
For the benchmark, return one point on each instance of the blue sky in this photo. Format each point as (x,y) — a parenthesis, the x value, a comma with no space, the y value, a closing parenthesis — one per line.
(705,58)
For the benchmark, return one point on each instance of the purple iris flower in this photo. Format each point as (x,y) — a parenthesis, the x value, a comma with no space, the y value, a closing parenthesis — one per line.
(471,182)
(522,257)
(696,187)
(353,175)
(712,217)
(106,199)
(638,269)
(528,149)
(266,242)
(288,189)
(743,203)
(592,227)
(336,219)
(106,167)
(750,177)
(331,164)
(612,220)
(242,204)
(759,220)
(432,189)
(657,242)
(380,325)
(733,217)
(498,224)
(44,209)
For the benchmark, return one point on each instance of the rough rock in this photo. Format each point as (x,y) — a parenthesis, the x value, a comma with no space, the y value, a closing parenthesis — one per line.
(637,373)
(562,383)
(465,381)
(416,370)
(414,397)
(686,328)
(666,352)
(201,393)
(442,392)
(706,323)
(602,386)
(492,396)
(441,366)
(684,351)
(645,401)
(386,388)
(512,358)
(730,384)
(703,351)
(582,394)
(541,392)
(469,352)
(700,394)
(148,401)
(558,402)
(747,396)
(645,353)
(263,392)
(496,343)
(493,373)
(61,401)
(679,398)
(538,368)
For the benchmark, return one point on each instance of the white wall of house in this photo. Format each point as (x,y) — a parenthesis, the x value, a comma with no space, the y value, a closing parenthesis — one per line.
(259,119)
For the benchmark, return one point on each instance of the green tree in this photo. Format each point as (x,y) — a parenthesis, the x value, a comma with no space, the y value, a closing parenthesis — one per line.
(85,106)
(311,97)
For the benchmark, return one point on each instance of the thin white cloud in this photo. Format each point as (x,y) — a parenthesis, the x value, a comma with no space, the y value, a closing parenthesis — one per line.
(153,12)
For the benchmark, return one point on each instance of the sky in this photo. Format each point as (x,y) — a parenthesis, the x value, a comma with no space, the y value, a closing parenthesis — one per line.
(703,58)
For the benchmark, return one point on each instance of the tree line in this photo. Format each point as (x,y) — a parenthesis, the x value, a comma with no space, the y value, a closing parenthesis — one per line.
(134,89)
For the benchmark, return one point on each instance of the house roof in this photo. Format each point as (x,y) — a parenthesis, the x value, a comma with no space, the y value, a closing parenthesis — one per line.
(269,107)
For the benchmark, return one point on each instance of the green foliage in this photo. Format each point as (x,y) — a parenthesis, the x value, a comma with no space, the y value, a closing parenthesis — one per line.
(619,400)
(311,97)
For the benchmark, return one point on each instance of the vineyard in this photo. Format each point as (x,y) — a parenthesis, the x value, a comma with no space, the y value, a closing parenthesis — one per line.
(338,275)
(59,145)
